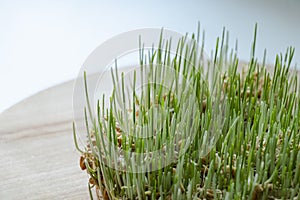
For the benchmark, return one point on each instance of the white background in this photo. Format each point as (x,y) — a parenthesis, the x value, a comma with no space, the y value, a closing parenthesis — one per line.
(44,43)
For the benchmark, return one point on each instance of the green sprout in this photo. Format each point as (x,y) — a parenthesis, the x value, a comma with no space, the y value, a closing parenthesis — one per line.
(229,131)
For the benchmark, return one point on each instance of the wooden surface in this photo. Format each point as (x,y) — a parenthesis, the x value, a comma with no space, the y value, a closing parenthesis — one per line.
(38,158)
(37,151)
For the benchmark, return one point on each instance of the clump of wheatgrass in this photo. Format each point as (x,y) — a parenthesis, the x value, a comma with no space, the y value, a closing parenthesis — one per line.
(229,131)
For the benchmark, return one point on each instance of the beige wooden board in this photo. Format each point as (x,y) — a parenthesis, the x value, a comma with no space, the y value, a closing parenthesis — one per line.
(38,158)
(37,152)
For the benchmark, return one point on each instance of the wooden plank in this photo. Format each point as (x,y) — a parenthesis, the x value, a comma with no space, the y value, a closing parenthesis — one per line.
(38,158)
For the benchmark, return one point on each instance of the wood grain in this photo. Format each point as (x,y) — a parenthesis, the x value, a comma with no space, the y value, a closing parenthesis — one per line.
(38,158)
